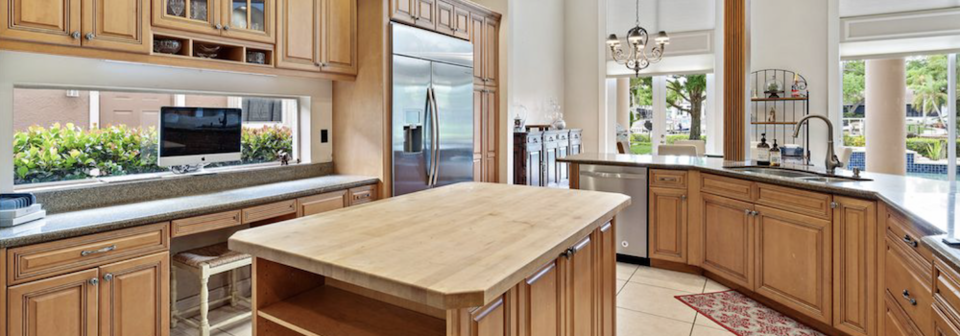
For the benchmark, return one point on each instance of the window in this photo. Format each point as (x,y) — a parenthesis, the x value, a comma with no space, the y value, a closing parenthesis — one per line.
(669,109)
(73,135)
(854,111)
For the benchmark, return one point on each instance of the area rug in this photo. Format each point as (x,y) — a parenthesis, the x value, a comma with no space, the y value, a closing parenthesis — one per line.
(744,316)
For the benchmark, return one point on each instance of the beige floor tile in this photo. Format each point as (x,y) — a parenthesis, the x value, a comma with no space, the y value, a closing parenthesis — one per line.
(625,271)
(713,286)
(183,329)
(620,284)
(656,301)
(690,283)
(704,321)
(631,323)
(704,331)
(240,329)
(222,313)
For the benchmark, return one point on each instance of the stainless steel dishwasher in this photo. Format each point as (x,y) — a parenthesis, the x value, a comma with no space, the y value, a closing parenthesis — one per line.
(631,222)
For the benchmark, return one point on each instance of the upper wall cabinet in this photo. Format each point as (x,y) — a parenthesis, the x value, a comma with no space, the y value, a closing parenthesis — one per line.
(318,35)
(251,20)
(453,19)
(105,24)
(420,13)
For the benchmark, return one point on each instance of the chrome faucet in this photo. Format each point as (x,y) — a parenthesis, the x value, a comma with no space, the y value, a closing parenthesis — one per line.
(832,162)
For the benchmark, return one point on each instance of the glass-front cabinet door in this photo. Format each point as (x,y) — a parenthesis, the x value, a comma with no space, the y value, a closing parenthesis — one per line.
(249,19)
(201,16)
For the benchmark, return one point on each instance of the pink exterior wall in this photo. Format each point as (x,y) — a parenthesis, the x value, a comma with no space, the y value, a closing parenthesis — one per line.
(45,107)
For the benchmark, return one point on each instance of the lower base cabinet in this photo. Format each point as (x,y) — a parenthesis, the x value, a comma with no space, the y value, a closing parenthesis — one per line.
(728,230)
(127,298)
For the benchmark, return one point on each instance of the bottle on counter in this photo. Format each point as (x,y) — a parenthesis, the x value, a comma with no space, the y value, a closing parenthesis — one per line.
(775,158)
(763,151)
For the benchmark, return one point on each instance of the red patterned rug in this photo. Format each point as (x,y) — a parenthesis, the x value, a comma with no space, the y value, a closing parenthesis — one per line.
(744,316)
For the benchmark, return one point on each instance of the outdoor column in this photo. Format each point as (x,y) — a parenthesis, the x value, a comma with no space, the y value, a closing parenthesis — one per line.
(886,116)
(623,103)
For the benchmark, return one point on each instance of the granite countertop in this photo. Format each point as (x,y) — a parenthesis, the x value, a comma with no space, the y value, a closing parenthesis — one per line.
(95,220)
(931,204)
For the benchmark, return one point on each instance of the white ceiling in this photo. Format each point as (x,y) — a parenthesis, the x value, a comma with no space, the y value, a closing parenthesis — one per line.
(850,8)
(657,15)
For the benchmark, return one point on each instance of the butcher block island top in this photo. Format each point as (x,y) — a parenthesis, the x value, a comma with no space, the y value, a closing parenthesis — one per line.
(453,247)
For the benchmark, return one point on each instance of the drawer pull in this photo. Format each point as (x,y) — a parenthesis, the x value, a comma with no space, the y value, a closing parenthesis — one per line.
(108,277)
(910,241)
(93,281)
(906,296)
(667,179)
(103,250)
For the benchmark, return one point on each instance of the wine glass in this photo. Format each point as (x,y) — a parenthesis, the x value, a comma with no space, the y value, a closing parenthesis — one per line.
(176,7)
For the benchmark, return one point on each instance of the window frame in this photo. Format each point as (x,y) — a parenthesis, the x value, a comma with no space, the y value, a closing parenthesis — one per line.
(300,145)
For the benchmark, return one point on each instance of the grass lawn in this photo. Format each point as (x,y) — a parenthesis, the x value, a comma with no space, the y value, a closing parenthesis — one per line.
(641,148)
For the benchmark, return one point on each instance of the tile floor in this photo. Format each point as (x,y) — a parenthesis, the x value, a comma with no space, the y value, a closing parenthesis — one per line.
(645,306)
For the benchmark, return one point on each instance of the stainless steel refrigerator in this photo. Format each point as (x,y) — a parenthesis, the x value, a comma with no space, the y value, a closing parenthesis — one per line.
(432,110)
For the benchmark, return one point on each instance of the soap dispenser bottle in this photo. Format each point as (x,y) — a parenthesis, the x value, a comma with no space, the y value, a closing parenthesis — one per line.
(763,151)
(775,158)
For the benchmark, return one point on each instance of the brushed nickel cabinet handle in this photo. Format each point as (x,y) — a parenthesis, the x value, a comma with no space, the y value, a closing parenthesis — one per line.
(75,35)
(746,212)
(103,250)
(94,281)
(90,36)
(108,277)
(225,27)
(683,197)
(218,26)
(910,241)
(906,296)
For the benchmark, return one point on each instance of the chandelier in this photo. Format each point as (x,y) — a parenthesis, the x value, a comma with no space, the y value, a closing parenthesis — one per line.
(637,58)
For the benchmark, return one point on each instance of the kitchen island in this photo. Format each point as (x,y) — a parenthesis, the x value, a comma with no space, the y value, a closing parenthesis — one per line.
(468,259)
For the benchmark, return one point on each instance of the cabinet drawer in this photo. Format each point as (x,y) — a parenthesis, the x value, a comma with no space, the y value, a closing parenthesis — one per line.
(269,211)
(668,178)
(908,237)
(909,290)
(322,203)
(59,257)
(943,325)
(946,288)
(361,195)
(725,186)
(800,201)
(211,222)
(895,321)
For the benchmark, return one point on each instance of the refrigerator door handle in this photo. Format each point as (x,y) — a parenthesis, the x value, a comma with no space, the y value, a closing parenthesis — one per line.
(436,136)
(428,114)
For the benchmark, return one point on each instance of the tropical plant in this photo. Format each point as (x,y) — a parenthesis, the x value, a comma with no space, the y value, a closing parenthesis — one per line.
(691,89)
(933,150)
(854,83)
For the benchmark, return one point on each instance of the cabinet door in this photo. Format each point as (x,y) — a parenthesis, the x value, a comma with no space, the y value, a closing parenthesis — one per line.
(794,255)
(582,289)
(477,26)
(668,224)
(490,143)
(478,167)
(338,36)
(249,19)
(61,306)
(728,239)
(117,25)
(489,320)
(895,321)
(461,22)
(943,326)
(403,10)
(607,299)
(298,35)
(426,14)
(563,169)
(445,23)
(478,119)
(491,54)
(199,16)
(854,265)
(535,166)
(540,310)
(47,21)
(135,297)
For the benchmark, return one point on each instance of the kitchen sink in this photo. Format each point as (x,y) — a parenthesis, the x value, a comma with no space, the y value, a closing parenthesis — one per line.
(796,174)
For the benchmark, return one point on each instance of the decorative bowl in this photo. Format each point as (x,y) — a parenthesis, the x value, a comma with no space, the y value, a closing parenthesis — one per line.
(256,57)
(166,46)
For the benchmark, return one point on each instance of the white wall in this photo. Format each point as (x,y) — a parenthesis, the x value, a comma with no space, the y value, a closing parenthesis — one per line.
(17,68)
(537,57)
(585,72)
(793,35)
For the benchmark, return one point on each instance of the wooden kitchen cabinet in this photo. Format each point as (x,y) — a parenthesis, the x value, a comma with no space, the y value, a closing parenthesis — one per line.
(198,16)
(134,297)
(895,320)
(540,302)
(490,131)
(607,298)
(943,325)
(328,44)
(794,261)
(581,296)
(60,306)
(477,32)
(491,51)
(121,25)
(854,266)
(668,224)
(312,205)
(421,13)
(728,239)
(251,20)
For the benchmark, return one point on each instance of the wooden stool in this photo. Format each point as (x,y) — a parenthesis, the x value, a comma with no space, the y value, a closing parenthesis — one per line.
(205,262)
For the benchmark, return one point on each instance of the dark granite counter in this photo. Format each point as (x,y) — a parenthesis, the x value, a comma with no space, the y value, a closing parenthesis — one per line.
(931,204)
(95,220)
